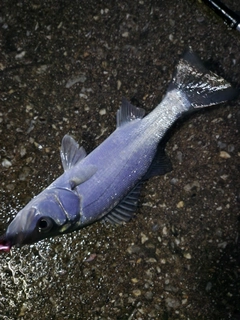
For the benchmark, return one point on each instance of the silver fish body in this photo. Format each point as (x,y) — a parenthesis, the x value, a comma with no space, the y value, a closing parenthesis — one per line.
(106,183)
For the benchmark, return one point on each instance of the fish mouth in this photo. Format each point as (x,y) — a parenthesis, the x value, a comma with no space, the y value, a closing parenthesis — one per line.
(5,245)
(7,241)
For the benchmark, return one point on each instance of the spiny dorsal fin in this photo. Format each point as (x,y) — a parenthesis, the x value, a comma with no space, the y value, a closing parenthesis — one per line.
(127,112)
(70,152)
(125,209)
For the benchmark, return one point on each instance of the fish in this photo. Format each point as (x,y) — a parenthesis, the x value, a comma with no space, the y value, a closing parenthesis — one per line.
(105,184)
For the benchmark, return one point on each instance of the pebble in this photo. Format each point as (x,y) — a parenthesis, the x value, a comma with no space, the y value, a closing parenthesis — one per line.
(6,163)
(42,69)
(38,145)
(137,292)
(103,11)
(174,181)
(81,78)
(230,148)
(170,37)
(218,232)
(151,260)
(177,241)
(224,176)
(10,186)
(200,19)
(224,155)
(187,255)
(119,84)
(24,174)
(208,286)
(188,187)
(179,156)
(133,249)
(91,257)
(172,22)
(125,34)
(158,270)
(172,303)
(150,273)
(144,238)
(155,227)
(148,295)
(164,231)
(150,245)
(20,55)
(158,252)
(83,96)
(171,288)
(29,107)
(180,204)
(222,245)
(102,112)
(221,145)
(22,151)
(23,309)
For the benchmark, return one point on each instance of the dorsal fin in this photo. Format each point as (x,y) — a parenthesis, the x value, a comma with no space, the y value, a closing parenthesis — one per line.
(70,152)
(125,209)
(127,112)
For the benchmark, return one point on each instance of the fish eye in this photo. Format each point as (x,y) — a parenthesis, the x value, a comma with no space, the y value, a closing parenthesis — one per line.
(45,224)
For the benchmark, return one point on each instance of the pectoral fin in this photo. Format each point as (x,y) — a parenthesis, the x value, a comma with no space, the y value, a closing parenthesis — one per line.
(84,173)
(70,152)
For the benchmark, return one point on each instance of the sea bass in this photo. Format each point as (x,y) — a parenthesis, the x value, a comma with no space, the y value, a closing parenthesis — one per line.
(105,184)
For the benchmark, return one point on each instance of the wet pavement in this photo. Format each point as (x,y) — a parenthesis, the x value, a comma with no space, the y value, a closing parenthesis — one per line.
(64,67)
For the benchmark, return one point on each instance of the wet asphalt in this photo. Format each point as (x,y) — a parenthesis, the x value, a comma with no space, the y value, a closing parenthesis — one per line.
(64,67)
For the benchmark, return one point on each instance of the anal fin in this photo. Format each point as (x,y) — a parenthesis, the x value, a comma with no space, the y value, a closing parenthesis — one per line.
(160,165)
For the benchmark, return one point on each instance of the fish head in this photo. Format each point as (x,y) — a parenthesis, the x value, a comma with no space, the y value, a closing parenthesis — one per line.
(53,212)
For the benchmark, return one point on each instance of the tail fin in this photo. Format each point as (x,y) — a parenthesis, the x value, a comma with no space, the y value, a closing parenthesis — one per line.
(202,87)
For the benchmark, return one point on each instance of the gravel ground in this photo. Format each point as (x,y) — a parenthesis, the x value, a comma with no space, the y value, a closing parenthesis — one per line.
(64,67)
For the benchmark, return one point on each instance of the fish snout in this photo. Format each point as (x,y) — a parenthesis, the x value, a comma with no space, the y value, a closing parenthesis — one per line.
(18,230)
